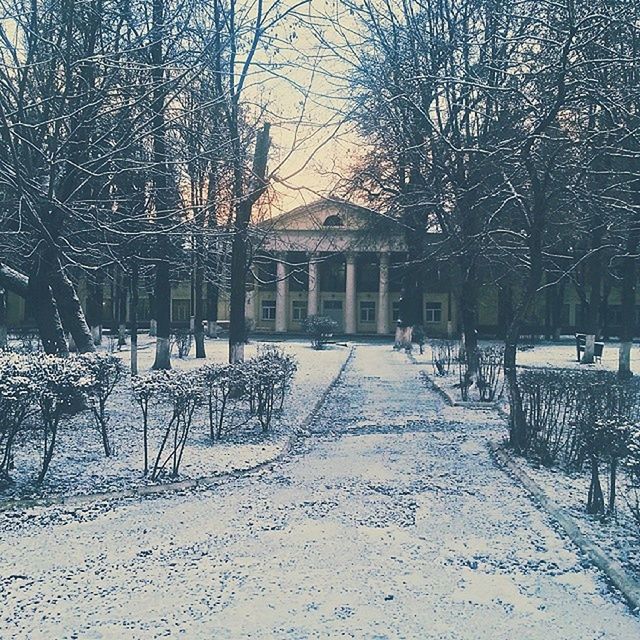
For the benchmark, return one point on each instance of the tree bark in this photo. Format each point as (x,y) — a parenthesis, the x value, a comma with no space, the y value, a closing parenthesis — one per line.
(212,310)
(162,296)
(3,319)
(70,309)
(239,249)
(133,315)
(628,306)
(95,303)
(45,312)
(198,285)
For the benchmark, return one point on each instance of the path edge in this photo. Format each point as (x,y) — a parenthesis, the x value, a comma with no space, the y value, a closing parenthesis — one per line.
(626,584)
(613,570)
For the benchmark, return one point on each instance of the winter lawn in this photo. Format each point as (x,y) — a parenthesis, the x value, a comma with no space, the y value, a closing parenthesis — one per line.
(79,465)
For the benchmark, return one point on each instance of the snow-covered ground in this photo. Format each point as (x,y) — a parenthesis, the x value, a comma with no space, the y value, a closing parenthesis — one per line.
(620,536)
(79,465)
(390,521)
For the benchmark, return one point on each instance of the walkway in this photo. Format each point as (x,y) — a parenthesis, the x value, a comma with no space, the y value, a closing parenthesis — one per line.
(390,522)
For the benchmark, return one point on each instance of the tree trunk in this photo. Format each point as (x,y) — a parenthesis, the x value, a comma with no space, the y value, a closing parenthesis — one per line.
(121,294)
(95,303)
(595,500)
(153,323)
(612,485)
(3,319)
(162,296)
(628,307)
(133,316)
(239,249)
(198,284)
(468,316)
(518,432)
(212,310)
(237,294)
(70,309)
(45,312)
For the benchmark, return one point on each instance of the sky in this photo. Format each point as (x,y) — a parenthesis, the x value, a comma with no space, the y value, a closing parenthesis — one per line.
(305,85)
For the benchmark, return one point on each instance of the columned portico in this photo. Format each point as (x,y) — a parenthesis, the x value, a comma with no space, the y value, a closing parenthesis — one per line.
(314,289)
(350,325)
(383,294)
(281,295)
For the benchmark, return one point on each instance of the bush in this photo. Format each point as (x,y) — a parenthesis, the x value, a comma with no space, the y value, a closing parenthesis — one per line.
(61,387)
(223,384)
(443,355)
(183,340)
(182,391)
(146,389)
(490,380)
(18,394)
(320,330)
(270,375)
(105,372)
(561,407)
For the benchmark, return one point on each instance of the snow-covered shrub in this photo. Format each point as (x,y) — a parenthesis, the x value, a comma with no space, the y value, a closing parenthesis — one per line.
(183,341)
(606,439)
(549,405)
(147,389)
(105,372)
(443,354)
(286,365)
(18,394)
(223,385)
(320,330)
(61,387)
(465,377)
(490,379)
(182,392)
(561,407)
(633,467)
(270,375)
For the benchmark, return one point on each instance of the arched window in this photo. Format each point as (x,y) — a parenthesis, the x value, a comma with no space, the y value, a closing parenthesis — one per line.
(333,221)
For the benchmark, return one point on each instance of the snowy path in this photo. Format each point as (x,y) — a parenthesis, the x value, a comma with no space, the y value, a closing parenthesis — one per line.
(390,522)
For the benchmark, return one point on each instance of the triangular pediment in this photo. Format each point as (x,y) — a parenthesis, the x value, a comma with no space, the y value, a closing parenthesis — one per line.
(327,214)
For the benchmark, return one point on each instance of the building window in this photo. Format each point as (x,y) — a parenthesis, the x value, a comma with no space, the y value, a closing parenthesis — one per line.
(395,310)
(268,310)
(180,310)
(433,312)
(299,310)
(333,221)
(367,311)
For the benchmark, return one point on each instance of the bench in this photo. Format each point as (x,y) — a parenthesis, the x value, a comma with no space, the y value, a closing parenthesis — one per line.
(598,347)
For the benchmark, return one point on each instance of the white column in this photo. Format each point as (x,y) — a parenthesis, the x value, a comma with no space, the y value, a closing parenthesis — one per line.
(383,294)
(281,296)
(314,290)
(350,303)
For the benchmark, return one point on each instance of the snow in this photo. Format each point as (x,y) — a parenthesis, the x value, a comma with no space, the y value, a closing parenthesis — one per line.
(620,536)
(389,521)
(79,465)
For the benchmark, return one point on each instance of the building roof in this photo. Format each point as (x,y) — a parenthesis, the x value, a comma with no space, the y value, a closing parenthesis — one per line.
(331,224)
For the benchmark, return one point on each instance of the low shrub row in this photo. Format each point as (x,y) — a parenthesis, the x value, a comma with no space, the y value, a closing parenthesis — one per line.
(39,392)
(584,419)
(233,394)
